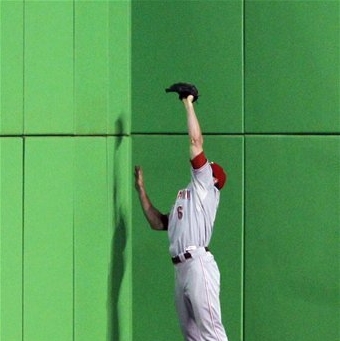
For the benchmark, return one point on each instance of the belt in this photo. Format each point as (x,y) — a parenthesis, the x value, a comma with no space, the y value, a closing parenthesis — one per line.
(186,255)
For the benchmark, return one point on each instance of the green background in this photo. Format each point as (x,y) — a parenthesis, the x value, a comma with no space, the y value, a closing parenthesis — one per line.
(82,101)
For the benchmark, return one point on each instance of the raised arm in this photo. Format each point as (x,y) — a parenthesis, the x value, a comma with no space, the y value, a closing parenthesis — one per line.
(156,219)
(194,129)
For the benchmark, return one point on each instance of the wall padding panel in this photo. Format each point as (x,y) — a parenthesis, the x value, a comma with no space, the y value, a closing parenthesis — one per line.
(48,240)
(190,41)
(292,64)
(93,229)
(102,67)
(65,67)
(91,76)
(48,67)
(292,238)
(102,244)
(11,68)
(73,243)
(11,228)
(165,161)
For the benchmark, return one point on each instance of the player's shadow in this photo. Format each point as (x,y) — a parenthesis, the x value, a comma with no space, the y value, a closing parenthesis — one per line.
(118,245)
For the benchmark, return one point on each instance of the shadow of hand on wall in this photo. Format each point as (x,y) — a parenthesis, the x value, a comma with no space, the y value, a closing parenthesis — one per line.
(118,243)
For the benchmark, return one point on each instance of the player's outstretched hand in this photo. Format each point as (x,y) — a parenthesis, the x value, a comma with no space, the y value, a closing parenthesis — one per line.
(190,99)
(139,181)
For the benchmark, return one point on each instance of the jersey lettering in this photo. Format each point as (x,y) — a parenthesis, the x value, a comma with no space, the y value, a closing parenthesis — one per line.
(184,194)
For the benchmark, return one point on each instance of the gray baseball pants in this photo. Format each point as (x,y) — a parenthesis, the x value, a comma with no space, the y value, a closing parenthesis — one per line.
(197,288)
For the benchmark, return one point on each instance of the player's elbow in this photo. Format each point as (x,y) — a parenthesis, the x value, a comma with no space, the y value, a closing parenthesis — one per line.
(160,223)
(158,226)
(196,142)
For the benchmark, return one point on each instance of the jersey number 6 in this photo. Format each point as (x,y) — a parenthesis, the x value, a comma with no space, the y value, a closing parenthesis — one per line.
(180,212)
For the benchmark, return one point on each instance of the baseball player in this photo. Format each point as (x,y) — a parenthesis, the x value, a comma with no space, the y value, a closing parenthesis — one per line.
(190,226)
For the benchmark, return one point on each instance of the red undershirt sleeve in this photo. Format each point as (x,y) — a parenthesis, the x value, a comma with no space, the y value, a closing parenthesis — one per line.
(198,161)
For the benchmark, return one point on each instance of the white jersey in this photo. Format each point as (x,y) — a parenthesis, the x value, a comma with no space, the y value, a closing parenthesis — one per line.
(192,217)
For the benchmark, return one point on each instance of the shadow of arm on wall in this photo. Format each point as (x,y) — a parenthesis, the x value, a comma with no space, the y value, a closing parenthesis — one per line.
(116,273)
(119,242)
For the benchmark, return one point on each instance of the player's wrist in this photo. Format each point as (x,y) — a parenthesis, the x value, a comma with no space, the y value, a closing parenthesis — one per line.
(188,104)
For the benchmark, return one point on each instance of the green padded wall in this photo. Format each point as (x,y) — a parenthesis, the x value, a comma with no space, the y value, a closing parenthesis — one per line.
(192,41)
(11,212)
(268,71)
(101,67)
(82,96)
(65,67)
(292,78)
(75,271)
(292,199)
(48,239)
(11,67)
(65,193)
(292,238)
(166,170)
(48,67)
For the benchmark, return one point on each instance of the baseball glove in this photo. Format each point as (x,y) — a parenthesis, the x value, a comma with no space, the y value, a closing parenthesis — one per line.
(184,90)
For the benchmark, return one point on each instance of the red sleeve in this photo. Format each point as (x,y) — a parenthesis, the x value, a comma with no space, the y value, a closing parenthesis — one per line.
(198,161)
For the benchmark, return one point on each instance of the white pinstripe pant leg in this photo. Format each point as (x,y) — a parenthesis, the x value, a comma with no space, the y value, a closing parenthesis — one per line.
(199,305)
(185,312)
(204,296)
